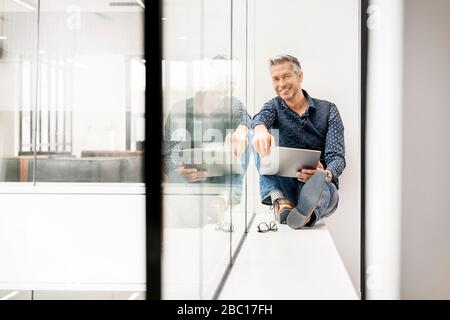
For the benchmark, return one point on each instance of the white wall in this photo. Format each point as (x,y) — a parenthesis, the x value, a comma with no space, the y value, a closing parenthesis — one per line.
(72,237)
(408,178)
(383,166)
(324,35)
(425,259)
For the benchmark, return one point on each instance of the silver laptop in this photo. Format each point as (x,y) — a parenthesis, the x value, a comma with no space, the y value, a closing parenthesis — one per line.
(216,161)
(285,162)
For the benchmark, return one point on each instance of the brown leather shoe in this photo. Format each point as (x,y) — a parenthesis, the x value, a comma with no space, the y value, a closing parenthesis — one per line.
(282,207)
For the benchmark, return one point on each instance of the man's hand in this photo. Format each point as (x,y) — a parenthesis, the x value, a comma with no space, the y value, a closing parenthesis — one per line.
(262,140)
(237,140)
(305,174)
(192,175)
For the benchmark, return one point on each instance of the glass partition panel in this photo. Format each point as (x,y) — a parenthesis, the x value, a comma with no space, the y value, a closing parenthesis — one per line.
(72,86)
(90,107)
(18,54)
(184,209)
(222,68)
(205,146)
(251,180)
(240,206)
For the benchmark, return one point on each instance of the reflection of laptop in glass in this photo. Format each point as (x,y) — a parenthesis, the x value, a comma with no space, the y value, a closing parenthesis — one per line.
(285,162)
(216,161)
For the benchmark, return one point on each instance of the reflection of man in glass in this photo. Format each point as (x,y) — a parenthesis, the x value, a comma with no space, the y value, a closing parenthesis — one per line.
(212,121)
(302,122)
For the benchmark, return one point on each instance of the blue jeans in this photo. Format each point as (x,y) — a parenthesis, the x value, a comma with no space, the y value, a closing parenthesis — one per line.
(291,188)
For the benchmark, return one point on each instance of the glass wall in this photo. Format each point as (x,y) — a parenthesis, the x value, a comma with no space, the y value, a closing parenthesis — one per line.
(72,128)
(18,51)
(206,152)
(73,99)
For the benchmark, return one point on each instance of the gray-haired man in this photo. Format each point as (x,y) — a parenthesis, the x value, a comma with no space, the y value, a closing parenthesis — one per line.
(302,122)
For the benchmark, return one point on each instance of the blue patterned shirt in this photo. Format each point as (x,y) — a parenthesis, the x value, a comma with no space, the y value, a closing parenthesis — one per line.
(182,116)
(334,153)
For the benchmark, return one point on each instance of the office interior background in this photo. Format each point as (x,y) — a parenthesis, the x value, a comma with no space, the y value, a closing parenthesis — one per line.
(73,122)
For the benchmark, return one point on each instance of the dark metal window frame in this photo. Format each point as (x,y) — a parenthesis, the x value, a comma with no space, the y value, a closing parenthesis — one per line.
(364,58)
(153,139)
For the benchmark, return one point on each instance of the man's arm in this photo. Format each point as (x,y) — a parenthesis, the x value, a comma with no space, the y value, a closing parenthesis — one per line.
(334,144)
(240,114)
(171,145)
(174,138)
(262,122)
(266,116)
(237,140)
(241,121)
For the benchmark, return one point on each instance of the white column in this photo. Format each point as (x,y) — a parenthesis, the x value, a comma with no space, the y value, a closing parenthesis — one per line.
(383,165)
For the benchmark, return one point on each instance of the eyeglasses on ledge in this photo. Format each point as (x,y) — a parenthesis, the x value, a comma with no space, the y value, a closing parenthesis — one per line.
(264,227)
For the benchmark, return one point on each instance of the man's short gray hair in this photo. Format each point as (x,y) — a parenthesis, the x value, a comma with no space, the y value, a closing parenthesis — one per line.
(282,58)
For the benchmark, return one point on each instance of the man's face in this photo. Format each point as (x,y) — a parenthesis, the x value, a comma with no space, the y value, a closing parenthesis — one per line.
(214,97)
(286,82)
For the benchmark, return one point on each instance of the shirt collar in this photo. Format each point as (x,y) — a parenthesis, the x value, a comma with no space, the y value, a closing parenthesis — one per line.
(311,103)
